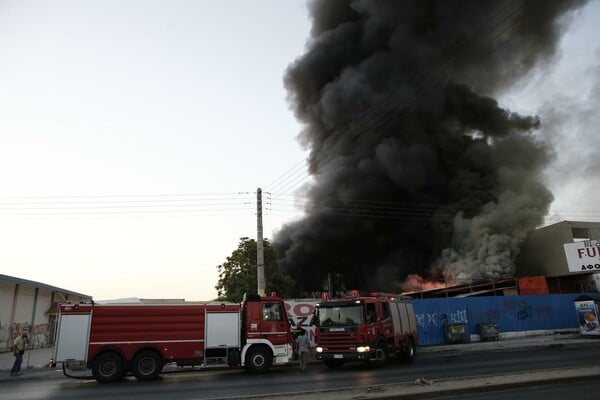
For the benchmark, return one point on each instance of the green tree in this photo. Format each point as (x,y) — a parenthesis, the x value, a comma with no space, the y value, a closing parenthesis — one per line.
(237,275)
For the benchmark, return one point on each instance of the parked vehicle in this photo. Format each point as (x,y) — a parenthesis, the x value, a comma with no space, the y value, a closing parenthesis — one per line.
(365,328)
(115,339)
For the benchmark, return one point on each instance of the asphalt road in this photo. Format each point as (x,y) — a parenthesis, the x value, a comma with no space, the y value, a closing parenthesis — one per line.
(586,390)
(236,383)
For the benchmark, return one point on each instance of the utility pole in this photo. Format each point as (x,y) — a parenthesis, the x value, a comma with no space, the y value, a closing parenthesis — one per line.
(260,257)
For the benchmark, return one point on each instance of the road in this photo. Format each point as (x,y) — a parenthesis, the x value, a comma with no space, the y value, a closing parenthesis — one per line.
(235,383)
(586,390)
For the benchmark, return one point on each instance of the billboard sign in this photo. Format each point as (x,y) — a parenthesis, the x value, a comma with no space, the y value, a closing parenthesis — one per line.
(583,256)
(300,313)
(587,314)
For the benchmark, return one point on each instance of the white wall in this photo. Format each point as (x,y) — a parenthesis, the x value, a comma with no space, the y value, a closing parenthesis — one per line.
(24,305)
(7,290)
(39,332)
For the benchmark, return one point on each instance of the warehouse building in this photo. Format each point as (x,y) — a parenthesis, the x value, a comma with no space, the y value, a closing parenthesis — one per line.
(29,306)
(546,252)
(555,259)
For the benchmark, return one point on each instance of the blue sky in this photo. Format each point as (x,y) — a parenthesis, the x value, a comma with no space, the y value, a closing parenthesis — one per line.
(133,135)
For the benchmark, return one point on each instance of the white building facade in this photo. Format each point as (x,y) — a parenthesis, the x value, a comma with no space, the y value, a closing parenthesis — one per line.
(29,306)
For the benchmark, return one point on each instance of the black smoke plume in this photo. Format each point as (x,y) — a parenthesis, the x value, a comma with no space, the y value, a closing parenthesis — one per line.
(417,169)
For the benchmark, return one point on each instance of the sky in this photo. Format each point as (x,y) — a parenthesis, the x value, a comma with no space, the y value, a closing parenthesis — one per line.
(133,136)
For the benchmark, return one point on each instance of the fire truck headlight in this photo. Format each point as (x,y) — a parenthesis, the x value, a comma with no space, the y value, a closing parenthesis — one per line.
(319,349)
(363,349)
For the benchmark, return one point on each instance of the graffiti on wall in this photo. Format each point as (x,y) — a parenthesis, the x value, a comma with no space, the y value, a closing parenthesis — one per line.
(522,313)
(38,334)
(4,335)
(440,319)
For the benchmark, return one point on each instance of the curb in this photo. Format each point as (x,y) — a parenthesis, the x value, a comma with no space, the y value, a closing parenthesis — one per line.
(509,345)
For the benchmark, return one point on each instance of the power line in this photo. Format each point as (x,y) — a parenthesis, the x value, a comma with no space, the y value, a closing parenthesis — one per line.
(119,206)
(126,204)
(128,212)
(381,206)
(283,177)
(124,195)
(293,184)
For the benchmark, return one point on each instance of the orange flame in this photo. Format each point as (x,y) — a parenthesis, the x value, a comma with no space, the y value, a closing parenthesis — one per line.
(416,283)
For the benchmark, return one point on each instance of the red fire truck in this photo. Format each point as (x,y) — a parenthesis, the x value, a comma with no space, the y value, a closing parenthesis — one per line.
(370,328)
(114,339)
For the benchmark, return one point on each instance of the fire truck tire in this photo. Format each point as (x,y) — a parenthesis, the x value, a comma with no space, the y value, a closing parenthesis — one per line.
(380,355)
(408,354)
(108,367)
(258,359)
(146,366)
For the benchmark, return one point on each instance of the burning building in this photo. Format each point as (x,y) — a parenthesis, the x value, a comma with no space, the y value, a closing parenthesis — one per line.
(417,168)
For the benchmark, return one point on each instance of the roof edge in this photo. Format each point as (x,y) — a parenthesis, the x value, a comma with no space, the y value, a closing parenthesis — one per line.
(40,285)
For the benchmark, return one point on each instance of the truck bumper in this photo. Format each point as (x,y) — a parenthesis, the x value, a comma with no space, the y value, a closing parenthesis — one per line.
(343,356)
(283,354)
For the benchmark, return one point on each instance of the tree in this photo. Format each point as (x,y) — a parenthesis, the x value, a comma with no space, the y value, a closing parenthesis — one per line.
(237,275)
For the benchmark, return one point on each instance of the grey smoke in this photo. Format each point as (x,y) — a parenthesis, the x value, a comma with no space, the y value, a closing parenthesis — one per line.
(572,131)
(415,164)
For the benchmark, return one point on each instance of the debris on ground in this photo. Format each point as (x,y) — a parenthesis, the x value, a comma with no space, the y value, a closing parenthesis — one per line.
(423,381)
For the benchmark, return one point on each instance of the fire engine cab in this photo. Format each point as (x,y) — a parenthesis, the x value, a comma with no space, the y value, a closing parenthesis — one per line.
(369,328)
(115,339)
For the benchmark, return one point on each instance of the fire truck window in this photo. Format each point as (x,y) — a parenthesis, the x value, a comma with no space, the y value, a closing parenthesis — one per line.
(272,312)
(371,312)
(341,316)
(385,311)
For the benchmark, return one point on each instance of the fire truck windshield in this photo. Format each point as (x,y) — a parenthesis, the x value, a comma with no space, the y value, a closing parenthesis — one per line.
(348,315)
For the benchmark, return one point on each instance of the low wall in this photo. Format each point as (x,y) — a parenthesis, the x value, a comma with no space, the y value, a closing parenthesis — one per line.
(511,313)
(515,315)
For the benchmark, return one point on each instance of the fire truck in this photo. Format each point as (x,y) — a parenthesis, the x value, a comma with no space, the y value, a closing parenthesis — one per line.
(369,328)
(116,339)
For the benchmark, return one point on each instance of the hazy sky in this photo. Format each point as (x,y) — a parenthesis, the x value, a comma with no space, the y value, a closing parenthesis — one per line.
(133,135)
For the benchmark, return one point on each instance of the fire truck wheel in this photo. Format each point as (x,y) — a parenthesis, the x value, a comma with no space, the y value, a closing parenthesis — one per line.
(380,355)
(409,353)
(258,359)
(108,367)
(146,365)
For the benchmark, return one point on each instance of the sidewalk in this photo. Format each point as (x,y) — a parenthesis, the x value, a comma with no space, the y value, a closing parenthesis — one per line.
(512,342)
(35,365)
(35,362)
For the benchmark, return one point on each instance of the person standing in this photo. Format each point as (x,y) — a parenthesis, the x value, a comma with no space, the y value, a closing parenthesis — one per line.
(303,344)
(18,350)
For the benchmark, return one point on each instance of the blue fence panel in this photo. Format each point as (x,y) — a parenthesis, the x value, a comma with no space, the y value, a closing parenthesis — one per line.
(433,314)
(511,313)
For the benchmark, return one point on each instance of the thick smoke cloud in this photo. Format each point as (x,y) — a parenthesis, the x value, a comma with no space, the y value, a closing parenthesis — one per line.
(571,128)
(417,168)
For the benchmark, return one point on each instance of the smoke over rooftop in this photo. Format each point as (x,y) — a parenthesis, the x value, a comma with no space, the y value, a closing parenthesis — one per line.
(417,169)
